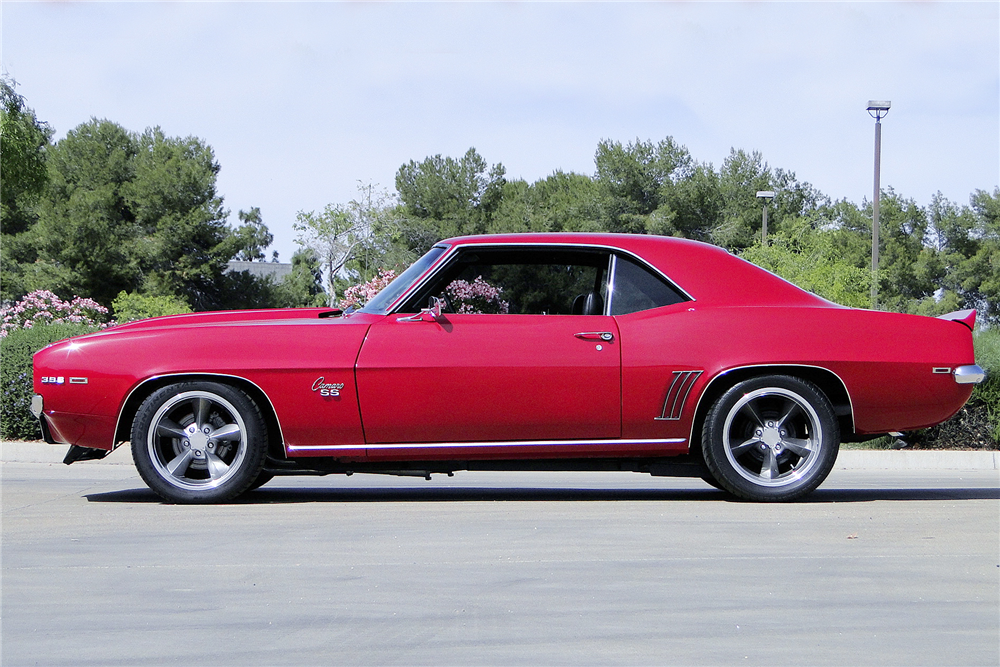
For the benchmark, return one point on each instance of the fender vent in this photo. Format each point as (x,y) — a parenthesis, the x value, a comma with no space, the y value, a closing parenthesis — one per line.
(677,394)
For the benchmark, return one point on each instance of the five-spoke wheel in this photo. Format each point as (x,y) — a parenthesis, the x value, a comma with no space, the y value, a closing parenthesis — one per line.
(771,438)
(199,442)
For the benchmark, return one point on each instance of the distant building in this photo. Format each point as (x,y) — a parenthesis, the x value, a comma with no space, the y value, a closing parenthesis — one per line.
(277,270)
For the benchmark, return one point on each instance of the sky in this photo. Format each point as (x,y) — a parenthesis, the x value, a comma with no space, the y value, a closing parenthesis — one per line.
(301,101)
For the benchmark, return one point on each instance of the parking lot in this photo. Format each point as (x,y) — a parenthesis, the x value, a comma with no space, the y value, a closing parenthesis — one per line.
(878,567)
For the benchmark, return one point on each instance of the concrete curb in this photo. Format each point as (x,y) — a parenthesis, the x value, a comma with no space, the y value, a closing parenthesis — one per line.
(849,459)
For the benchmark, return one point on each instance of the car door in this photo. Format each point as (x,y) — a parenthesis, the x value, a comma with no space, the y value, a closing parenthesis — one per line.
(522,361)
(660,377)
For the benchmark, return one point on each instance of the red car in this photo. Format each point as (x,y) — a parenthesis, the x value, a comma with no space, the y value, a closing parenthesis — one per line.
(514,352)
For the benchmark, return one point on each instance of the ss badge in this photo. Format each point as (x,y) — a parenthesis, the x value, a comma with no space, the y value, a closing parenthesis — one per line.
(327,388)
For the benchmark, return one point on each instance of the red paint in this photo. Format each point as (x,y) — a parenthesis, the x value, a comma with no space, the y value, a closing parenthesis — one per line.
(512,386)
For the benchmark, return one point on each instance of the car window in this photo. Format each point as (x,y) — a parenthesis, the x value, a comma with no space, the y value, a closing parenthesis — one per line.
(383,300)
(533,281)
(637,288)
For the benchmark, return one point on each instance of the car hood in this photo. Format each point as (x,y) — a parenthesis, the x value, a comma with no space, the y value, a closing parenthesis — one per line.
(227,317)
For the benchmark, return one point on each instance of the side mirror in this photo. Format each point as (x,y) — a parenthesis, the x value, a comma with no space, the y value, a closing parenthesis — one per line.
(433,308)
(431,313)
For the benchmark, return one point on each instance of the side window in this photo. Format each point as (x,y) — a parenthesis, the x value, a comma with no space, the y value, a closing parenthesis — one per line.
(523,281)
(637,288)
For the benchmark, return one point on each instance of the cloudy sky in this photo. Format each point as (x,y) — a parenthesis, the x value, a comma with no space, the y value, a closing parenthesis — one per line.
(301,100)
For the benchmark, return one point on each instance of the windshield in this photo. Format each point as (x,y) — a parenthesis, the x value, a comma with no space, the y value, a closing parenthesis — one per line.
(384,299)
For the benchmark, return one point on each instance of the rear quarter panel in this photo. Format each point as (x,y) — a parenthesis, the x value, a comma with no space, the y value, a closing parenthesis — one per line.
(885,360)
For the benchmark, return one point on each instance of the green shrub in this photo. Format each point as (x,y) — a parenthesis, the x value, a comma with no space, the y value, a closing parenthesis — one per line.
(16,390)
(988,393)
(977,425)
(134,306)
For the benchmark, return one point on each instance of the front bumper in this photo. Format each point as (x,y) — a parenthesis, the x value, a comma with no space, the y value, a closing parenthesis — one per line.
(972,374)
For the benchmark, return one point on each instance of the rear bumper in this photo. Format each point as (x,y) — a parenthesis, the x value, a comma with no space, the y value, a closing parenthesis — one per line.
(36,407)
(972,374)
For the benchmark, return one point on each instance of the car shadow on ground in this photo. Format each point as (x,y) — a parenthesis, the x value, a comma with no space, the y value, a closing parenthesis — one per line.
(278,495)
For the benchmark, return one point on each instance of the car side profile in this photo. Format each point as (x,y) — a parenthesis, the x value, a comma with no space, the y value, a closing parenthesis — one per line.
(514,352)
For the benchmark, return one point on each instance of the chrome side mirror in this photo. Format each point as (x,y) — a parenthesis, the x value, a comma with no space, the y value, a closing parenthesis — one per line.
(431,313)
(433,308)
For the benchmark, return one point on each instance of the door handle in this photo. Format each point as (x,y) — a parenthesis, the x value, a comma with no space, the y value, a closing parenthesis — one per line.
(606,336)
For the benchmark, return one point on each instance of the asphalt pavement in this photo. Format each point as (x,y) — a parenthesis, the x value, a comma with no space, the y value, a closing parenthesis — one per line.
(877,567)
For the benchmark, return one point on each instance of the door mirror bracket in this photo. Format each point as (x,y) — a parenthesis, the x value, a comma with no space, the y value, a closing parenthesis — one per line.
(432,313)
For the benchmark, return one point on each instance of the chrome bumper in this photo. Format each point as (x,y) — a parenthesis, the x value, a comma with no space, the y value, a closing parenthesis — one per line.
(969,374)
(36,406)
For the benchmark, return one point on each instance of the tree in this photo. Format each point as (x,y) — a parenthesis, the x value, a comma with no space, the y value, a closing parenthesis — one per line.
(24,177)
(443,197)
(741,177)
(22,160)
(968,243)
(86,235)
(637,180)
(252,237)
(332,236)
(561,202)
(351,241)
(133,213)
(303,287)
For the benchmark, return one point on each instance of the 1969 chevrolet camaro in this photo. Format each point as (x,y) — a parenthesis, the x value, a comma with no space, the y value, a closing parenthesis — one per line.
(514,352)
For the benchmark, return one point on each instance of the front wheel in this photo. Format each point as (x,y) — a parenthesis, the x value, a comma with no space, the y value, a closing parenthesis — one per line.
(771,438)
(199,442)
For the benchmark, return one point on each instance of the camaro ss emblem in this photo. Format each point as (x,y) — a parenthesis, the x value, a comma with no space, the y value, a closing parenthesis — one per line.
(327,388)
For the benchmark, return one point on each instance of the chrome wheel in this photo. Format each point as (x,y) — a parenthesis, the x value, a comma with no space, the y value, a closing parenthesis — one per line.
(771,438)
(199,442)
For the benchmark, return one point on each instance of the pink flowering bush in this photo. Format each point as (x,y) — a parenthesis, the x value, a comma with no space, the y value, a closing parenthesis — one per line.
(359,295)
(477,297)
(43,307)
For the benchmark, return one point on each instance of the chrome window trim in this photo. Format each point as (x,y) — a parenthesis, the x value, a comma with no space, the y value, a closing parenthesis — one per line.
(610,283)
(445,259)
(478,445)
(121,409)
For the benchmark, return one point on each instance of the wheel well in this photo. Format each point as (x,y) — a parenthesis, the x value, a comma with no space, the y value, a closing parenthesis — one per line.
(123,432)
(827,381)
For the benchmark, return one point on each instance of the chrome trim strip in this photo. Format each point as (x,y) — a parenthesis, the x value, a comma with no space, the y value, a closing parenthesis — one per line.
(456,247)
(121,408)
(609,283)
(850,401)
(506,443)
(943,370)
(680,387)
(971,374)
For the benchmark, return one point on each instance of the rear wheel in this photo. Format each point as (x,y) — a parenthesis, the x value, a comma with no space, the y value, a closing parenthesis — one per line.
(771,438)
(199,442)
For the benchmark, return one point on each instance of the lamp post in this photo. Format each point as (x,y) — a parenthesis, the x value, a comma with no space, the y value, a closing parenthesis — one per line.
(876,109)
(766,195)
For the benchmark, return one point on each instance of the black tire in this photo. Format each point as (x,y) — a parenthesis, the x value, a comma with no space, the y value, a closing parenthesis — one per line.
(199,442)
(771,438)
(263,478)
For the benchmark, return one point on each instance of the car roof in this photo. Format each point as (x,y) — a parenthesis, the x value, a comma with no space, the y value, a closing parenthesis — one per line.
(708,273)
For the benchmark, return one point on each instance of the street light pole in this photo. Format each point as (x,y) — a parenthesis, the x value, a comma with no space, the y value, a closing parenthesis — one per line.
(766,195)
(876,109)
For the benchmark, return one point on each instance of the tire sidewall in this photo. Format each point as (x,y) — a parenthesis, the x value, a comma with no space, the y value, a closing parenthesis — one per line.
(714,446)
(250,464)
